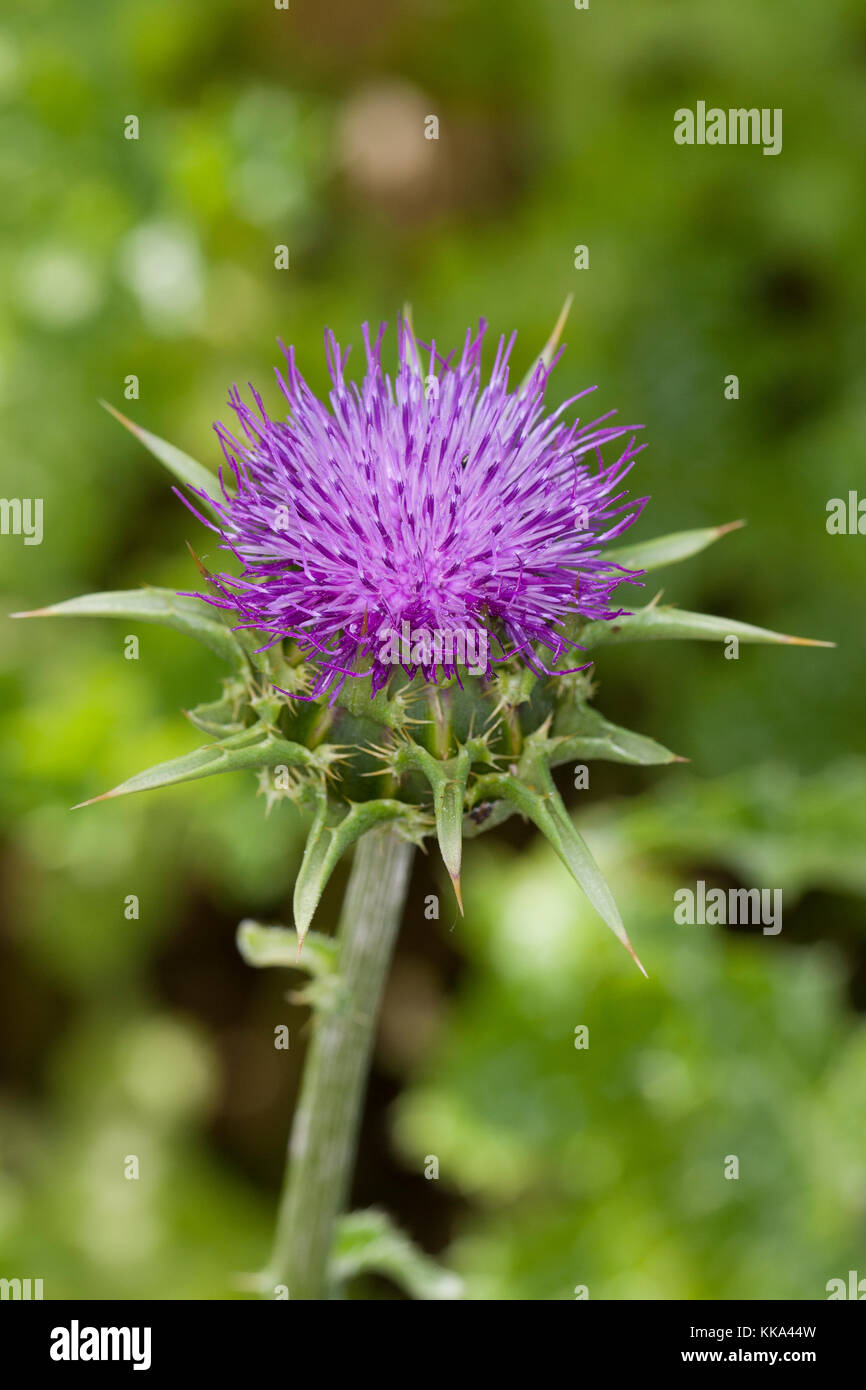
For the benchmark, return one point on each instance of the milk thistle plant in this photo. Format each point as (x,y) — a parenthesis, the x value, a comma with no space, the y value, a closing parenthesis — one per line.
(427,565)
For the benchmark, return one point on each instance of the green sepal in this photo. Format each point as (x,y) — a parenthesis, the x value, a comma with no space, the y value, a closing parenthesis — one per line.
(596,738)
(530,787)
(486,815)
(447,779)
(655,623)
(368,1240)
(221,718)
(255,747)
(333,830)
(190,616)
(356,697)
(668,550)
(582,734)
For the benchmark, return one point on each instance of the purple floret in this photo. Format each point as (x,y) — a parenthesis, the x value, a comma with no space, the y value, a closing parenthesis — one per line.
(430,503)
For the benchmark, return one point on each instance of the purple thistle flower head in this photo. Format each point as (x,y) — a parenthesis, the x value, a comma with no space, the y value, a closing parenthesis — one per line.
(429,521)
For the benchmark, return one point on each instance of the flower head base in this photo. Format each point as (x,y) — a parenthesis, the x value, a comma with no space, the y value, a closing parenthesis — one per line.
(430,522)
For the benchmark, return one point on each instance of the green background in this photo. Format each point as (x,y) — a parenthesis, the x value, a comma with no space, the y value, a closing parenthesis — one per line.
(558,1167)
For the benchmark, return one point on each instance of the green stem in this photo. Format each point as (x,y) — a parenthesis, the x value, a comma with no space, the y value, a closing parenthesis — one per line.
(324,1135)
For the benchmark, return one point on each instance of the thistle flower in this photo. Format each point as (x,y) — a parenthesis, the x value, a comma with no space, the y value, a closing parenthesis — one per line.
(438,505)
(411,521)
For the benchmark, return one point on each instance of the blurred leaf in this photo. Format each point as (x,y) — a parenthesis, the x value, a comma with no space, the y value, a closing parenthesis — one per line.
(368,1240)
(768,824)
(262,946)
(571,1160)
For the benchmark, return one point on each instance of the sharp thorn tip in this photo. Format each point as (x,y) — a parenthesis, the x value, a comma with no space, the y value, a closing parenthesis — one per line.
(455,879)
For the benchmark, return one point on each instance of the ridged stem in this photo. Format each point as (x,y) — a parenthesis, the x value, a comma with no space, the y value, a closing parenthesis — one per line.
(324,1137)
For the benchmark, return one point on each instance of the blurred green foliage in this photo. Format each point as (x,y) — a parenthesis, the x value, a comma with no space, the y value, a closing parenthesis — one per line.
(600,1158)
(155,257)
